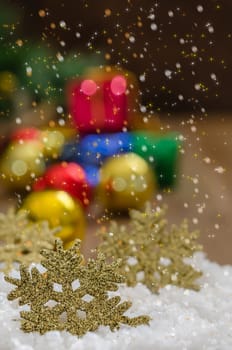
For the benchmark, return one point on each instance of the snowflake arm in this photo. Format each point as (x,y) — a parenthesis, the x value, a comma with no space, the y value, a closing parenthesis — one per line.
(63,265)
(28,285)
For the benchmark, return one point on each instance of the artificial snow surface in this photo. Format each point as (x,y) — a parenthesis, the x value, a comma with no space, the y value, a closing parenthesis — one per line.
(181,319)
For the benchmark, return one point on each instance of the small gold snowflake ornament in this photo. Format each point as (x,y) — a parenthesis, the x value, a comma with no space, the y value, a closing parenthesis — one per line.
(151,253)
(21,240)
(69,295)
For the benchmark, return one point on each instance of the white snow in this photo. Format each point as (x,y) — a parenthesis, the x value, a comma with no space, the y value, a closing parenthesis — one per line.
(181,319)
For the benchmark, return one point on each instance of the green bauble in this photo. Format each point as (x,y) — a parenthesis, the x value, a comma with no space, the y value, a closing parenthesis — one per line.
(161,152)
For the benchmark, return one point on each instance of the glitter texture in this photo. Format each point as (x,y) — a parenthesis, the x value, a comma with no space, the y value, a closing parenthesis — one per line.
(21,239)
(151,253)
(67,308)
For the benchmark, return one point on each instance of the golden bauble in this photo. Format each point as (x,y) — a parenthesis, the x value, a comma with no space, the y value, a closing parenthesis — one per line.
(21,163)
(126,181)
(60,210)
(53,141)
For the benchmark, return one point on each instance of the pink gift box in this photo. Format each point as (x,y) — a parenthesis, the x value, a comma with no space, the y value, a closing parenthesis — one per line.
(100,104)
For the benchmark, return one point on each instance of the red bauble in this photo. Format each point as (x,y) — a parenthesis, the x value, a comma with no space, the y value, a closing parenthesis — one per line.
(26,134)
(69,177)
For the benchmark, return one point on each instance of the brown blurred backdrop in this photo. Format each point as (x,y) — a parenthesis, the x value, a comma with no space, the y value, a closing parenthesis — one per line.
(191,39)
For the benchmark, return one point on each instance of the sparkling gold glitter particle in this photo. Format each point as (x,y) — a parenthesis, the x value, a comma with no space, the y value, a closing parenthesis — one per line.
(107,56)
(108,12)
(42,13)
(19,42)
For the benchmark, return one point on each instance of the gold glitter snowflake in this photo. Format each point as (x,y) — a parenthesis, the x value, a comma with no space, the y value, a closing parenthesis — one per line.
(152,254)
(21,240)
(71,295)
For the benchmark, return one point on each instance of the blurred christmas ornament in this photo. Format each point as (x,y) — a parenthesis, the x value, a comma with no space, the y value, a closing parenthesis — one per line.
(69,177)
(66,130)
(126,181)
(59,209)
(94,149)
(161,152)
(70,152)
(102,100)
(53,141)
(21,163)
(92,174)
(26,134)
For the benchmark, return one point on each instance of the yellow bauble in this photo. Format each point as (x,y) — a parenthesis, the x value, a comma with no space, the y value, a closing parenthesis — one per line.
(126,181)
(21,163)
(59,209)
(53,141)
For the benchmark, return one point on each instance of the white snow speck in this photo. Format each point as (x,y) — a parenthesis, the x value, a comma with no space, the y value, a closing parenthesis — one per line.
(154,26)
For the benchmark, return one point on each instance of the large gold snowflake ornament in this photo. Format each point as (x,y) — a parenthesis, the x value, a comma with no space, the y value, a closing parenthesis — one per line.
(150,252)
(71,295)
(21,240)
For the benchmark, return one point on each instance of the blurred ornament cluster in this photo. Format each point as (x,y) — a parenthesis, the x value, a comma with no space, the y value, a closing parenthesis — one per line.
(101,150)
